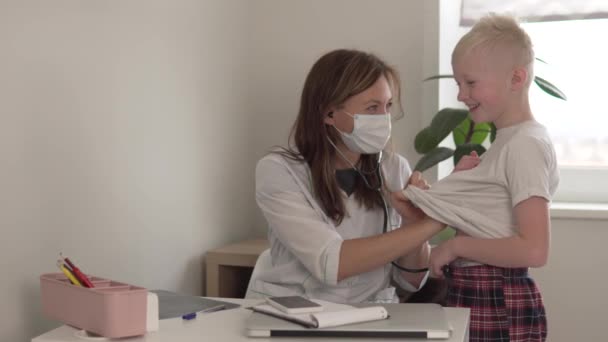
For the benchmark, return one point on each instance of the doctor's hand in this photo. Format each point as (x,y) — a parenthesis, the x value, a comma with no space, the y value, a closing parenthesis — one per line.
(467,162)
(404,206)
(441,255)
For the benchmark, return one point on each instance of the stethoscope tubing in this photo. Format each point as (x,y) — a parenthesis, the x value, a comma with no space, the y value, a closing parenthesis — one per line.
(385,211)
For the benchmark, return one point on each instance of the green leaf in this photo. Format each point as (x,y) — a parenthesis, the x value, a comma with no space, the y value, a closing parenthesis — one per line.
(549,88)
(425,141)
(445,121)
(462,131)
(436,77)
(433,158)
(442,124)
(466,149)
(492,132)
(480,133)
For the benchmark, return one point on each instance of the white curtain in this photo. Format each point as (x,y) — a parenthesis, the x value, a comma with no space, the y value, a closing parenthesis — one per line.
(534,10)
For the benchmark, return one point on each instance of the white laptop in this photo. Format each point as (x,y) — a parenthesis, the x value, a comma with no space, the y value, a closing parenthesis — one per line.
(409,320)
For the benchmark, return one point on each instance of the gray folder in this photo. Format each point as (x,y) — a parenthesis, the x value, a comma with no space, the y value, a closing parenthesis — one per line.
(171,304)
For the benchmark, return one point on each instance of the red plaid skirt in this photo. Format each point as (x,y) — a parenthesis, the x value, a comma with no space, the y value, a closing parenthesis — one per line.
(505,303)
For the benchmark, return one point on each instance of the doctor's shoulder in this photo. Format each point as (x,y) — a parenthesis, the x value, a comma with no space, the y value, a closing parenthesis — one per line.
(280,167)
(279,157)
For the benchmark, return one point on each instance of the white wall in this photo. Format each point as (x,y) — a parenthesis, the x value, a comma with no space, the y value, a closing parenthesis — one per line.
(129,130)
(124,130)
(573,283)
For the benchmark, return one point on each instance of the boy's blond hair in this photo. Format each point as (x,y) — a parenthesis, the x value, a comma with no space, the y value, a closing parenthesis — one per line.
(502,34)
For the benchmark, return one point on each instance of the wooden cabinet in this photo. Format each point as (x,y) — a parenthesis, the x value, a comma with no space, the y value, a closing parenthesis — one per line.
(229,267)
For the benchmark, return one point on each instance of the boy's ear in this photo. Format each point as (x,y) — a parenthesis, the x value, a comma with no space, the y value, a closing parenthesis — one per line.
(519,78)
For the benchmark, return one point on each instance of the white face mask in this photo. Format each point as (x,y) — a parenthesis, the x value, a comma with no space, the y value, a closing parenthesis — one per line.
(370,133)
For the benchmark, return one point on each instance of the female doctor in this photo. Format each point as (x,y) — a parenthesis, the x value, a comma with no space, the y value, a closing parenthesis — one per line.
(323,195)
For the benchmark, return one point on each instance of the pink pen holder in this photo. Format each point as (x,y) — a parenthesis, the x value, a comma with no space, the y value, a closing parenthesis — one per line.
(110,309)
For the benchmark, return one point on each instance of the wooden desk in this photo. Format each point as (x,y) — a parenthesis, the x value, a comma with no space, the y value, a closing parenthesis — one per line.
(229,325)
(229,268)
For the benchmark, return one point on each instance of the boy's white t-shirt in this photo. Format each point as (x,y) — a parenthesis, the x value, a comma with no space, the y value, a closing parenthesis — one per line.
(520,164)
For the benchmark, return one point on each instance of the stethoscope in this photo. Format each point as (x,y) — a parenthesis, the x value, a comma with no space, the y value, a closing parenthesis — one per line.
(378,172)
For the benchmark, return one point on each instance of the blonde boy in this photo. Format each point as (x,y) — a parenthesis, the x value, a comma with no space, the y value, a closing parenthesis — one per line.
(501,207)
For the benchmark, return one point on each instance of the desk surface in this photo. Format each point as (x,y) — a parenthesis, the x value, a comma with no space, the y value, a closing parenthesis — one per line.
(229,325)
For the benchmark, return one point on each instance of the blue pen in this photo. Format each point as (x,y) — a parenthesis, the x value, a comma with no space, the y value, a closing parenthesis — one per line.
(192,315)
(189,316)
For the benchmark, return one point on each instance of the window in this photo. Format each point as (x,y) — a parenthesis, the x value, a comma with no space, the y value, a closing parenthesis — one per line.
(535,10)
(576,63)
(579,127)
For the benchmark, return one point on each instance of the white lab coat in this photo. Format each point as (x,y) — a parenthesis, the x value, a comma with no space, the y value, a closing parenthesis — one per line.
(305,243)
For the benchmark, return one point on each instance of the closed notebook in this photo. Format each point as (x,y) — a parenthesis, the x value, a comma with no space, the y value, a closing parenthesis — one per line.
(411,320)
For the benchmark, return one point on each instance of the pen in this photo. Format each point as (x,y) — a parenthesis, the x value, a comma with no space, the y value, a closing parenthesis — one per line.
(189,316)
(192,315)
(68,274)
(78,274)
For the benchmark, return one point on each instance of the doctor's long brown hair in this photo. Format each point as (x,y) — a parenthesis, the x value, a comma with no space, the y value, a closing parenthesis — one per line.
(333,79)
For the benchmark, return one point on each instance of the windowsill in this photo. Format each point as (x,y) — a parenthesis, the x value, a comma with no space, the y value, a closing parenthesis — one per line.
(587,211)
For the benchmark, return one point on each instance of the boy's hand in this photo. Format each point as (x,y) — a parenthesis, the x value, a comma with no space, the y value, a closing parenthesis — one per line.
(467,162)
(441,255)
